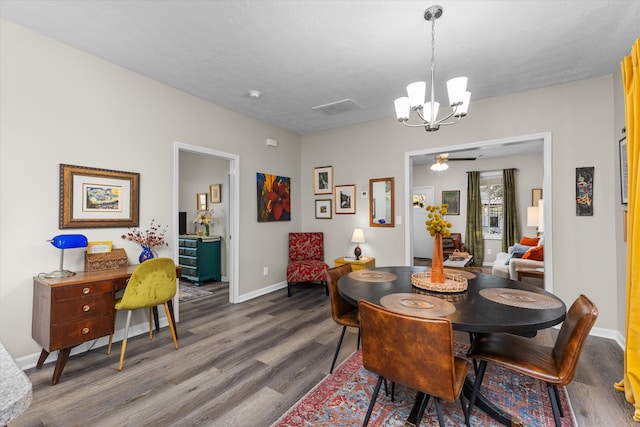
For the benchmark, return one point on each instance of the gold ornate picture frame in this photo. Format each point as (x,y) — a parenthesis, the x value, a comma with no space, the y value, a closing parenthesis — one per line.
(93,198)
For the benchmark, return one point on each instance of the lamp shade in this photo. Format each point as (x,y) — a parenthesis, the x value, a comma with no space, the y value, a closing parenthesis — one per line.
(532,216)
(416,92)
(541,215)
(69,241)
(403,108)
(457,88)
(358,236)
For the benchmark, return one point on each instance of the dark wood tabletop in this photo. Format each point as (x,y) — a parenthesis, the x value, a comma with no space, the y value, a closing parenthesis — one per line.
(474,313)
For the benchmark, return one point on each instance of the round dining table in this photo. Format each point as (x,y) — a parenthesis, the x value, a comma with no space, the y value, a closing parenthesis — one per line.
(490,304)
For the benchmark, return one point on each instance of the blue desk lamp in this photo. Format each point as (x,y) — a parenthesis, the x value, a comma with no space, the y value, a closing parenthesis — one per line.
(62,242)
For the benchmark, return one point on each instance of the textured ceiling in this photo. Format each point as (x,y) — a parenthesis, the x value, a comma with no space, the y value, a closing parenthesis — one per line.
(302,54)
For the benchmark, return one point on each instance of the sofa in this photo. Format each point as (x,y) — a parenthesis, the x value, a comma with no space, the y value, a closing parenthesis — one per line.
(506,264)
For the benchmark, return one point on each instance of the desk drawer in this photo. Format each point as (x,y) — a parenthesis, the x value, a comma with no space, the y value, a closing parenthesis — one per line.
(74,333)
(82,308)
(189,271)
(80,291)
(190,262)
(189,243)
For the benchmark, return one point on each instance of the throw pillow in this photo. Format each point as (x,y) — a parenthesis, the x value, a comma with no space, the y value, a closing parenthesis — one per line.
(517,251)
(536,254)
(529,241)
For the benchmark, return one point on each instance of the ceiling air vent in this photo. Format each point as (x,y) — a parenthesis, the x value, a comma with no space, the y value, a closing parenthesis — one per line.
(337,107)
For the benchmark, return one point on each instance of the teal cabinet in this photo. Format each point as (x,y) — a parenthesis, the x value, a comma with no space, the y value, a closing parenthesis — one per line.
(199,257)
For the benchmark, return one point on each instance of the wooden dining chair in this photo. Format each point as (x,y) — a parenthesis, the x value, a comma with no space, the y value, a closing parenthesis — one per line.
(555,365)
(343,312)
(152,283)
(420,357)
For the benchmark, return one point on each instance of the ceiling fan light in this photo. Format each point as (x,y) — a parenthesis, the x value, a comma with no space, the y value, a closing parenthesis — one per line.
(456,88)
(461,111)
(416,92)
(403,108)
(439,166)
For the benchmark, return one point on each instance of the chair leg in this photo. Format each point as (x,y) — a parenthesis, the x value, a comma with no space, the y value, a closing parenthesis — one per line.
(171,327)
(358,347)
(374,396)
(476,386)
(150,323)
(335,356)
(439,411)
(555,391)
(464,410)
(423,407)
(554,404)
(288,289)
(109,346)
(326,287)
(124,341)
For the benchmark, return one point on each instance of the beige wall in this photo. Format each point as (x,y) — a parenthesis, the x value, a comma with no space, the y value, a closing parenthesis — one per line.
(580,118)
(60,105)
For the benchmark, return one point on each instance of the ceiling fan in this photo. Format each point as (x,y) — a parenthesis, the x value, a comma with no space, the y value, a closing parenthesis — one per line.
(440,162)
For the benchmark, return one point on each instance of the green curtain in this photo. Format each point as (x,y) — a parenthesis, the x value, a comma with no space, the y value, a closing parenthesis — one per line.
(510,233)
(474,242)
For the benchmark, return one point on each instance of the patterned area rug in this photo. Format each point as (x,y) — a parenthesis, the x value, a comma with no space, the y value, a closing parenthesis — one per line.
(187,292)
(342,399)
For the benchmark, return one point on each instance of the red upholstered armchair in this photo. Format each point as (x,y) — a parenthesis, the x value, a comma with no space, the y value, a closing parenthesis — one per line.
(306,259)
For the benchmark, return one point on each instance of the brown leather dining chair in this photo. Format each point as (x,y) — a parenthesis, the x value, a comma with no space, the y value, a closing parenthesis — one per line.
(555,365)
(421,357)
(342,312)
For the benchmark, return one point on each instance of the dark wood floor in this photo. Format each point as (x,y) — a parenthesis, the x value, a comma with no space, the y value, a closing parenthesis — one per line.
(245,365)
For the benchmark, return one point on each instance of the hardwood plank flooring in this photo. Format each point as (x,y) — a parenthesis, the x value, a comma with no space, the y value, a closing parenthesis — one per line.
(245,365)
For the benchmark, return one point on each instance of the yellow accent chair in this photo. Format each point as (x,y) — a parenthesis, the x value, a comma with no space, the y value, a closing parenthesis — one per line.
(152,283)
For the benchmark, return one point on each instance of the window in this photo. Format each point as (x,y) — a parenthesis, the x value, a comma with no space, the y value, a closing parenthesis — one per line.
(491,191)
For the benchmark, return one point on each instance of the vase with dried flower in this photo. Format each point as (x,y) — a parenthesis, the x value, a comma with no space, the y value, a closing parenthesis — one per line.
(438,227)
(148,239)
(204,218)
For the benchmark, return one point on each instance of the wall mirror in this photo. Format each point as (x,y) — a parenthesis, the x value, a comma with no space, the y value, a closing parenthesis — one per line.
(381,202)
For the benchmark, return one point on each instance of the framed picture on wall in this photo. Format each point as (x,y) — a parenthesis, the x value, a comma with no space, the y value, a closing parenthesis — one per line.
(91,197)
(323,180)
(452,198)
(274,197)
(214,193)
(323,209)
(345,199)
(584,191)
(201,201)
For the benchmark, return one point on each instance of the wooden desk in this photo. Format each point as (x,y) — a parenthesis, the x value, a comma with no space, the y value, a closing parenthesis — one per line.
(356,265)
(72,310)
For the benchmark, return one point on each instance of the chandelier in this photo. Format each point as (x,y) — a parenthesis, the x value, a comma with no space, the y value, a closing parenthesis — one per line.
(459,97)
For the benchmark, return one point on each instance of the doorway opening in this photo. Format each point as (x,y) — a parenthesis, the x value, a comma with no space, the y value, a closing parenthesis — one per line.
(505,145)
(231,202)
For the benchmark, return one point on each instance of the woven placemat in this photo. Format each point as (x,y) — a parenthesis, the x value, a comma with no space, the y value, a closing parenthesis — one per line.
(417,305)
(520,298)
(372,276)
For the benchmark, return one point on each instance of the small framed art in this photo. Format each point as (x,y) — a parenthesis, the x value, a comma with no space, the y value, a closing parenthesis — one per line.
(323,180)
(345,199)
(452,199)
(214,193)
(323,209)
(201,201)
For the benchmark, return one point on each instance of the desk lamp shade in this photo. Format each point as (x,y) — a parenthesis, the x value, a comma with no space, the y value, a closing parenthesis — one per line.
(357,237)
(62,242)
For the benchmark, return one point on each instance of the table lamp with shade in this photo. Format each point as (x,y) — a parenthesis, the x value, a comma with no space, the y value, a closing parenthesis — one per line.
(533,218)
(62,242)
(357,237)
